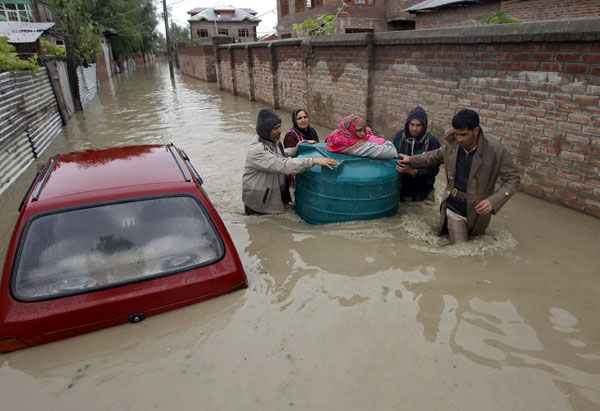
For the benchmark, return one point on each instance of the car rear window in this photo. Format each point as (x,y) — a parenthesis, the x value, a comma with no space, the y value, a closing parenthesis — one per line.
(80,250)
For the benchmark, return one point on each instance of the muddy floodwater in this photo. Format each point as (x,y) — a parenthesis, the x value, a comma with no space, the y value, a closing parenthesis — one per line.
(374,315)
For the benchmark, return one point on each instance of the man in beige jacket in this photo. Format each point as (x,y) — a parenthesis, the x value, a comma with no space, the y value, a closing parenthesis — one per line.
(265,187)
(473,162)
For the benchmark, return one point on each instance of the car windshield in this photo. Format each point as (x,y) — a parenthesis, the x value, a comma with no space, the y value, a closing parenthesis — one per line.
(75,251)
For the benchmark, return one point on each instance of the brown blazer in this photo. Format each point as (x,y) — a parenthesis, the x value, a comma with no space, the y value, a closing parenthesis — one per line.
(491,161)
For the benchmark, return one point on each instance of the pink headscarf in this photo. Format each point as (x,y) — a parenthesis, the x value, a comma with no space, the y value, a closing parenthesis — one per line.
(345,136)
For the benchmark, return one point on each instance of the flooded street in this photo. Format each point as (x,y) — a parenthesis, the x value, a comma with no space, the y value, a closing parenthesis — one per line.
(379,315)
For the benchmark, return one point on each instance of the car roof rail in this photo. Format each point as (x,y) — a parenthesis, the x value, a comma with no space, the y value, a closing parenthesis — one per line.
(30,187)
(38,188)
(191,167)
(180,164)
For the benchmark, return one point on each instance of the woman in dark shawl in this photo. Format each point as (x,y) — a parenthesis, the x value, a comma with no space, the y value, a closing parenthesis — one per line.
(301,130)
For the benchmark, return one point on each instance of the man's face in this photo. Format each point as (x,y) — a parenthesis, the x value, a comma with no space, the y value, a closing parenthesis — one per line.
(466,138)
(414,127)
(276,132)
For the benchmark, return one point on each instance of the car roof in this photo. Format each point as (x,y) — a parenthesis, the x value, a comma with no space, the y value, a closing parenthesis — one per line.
(110,168)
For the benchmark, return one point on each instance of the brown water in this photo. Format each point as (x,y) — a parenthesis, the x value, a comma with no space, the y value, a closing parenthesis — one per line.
(378,315)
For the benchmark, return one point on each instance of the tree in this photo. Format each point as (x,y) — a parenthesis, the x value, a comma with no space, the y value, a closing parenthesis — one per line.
(81,33)
(134,22)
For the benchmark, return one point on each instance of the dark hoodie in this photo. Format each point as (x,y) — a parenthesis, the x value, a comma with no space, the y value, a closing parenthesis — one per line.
(265,122)
(421,185)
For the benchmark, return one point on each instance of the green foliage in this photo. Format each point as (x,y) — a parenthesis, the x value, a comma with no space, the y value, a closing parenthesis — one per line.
(50,49)
(496,18)
(134,22)
(182,34)
(319,26)
(10,61)
(75,22)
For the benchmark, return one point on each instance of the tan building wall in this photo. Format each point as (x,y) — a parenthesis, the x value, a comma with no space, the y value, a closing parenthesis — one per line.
(233,29)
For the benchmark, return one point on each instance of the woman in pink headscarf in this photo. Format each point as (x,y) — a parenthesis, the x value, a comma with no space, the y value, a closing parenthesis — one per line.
(353,137)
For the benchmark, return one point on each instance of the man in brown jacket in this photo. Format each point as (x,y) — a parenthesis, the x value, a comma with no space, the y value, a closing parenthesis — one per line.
(473,163)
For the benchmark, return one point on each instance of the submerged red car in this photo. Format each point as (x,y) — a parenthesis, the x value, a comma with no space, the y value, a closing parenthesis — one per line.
(106,237)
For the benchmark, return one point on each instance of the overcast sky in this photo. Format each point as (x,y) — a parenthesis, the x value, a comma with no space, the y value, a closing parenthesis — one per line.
(266,11)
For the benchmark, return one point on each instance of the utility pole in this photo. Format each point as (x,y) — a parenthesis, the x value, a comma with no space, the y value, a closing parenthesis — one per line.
(169,53)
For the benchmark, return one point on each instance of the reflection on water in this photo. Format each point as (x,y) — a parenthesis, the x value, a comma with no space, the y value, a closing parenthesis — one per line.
(365,314)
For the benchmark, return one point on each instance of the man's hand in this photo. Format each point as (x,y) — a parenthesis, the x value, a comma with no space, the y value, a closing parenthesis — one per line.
(484,207)
(404,159)
(325,162)
(404,165)
(406,169)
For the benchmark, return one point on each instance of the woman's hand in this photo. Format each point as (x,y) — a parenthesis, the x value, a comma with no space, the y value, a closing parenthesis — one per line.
(325,162)
(306,141)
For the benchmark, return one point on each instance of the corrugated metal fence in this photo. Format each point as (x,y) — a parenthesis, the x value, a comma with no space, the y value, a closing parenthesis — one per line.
(88,83)
(29,121)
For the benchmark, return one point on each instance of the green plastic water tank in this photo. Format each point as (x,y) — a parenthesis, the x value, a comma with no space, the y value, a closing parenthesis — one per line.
(357,189)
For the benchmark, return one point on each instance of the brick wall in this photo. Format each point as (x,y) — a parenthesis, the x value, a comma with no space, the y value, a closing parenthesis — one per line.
(524,10)
(373,17)
(198,61)
(535,10)
(536,87)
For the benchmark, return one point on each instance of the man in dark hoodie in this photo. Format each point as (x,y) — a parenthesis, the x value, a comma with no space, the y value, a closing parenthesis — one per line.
(417,184)
(264,183)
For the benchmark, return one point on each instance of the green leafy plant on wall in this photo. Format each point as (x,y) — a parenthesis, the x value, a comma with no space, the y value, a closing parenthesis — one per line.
(319,26)
(10,61)
(50,49)
(496,18)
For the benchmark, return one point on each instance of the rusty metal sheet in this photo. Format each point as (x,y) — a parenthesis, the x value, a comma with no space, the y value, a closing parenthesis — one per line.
(88,83)
(29,121)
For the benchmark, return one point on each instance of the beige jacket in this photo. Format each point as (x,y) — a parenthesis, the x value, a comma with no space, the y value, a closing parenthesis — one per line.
(491,161)
(261,180)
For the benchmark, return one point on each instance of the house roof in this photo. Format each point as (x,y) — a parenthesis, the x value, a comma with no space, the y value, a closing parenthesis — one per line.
(436,4)
(21,32)
(209,14)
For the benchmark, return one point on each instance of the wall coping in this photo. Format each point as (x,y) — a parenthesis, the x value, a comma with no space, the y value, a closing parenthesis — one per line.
(585,29)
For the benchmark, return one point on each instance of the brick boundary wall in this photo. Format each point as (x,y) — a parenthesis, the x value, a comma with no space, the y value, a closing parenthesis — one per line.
(536,87)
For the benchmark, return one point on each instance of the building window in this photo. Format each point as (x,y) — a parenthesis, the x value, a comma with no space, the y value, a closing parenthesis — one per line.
(286,36)
(360,31)
(202,33)
(360,2)
(317,3)
(243,33)
(223,32)
(285,7)
(15,12)
(300,6)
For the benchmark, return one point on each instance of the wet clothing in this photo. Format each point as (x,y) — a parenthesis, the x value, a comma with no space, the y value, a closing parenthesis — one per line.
(345,140)
(264,182)
(420,186)
(464,162)
(265,187)
(296,134)
(491,160)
